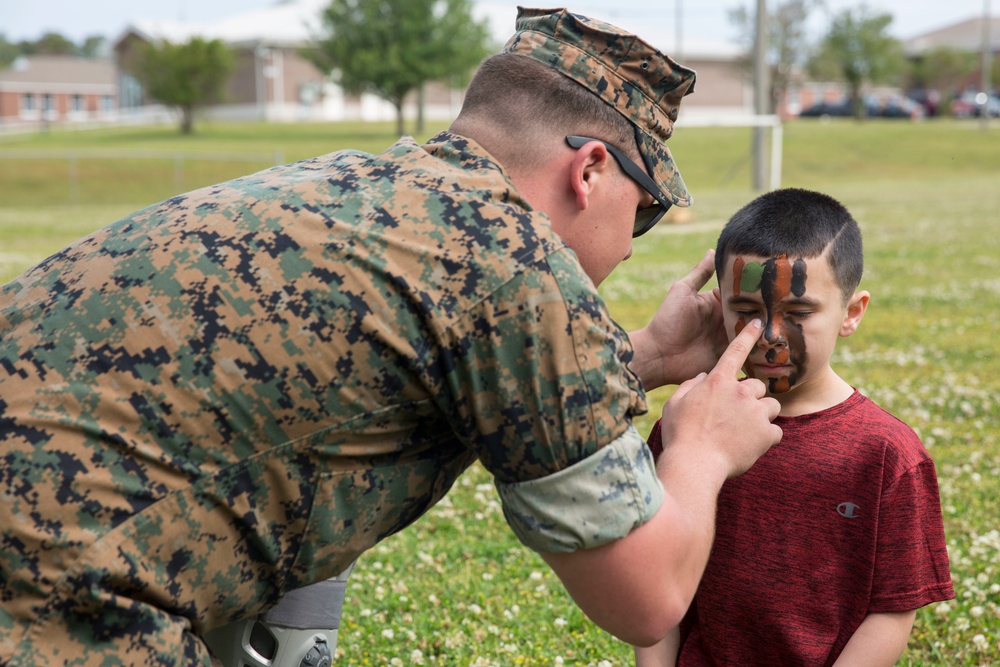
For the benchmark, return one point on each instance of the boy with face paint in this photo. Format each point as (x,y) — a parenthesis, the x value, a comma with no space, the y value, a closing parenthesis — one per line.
(828,545)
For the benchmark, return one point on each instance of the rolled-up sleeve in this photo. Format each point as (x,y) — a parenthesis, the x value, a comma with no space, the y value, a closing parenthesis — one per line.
(595,501)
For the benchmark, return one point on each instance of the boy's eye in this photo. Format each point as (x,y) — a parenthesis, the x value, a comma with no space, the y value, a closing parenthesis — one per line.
(798,313)
(746,313)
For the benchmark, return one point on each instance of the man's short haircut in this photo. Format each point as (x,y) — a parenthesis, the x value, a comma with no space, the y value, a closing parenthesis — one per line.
(799,223)
(525,100)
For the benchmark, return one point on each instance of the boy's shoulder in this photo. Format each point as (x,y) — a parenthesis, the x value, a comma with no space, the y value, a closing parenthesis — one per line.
(871,427)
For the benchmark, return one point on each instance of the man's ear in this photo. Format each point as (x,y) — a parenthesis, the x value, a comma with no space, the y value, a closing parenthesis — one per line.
(590,165)
(856,307)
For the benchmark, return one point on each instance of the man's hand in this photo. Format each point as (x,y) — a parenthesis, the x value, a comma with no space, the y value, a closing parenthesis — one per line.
(685,336)
(716,416)
(639,587)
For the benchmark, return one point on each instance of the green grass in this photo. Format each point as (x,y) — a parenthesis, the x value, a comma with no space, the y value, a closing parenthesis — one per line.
(456,588)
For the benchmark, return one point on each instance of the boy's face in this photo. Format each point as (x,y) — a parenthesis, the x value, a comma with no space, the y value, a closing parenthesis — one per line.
(803,312)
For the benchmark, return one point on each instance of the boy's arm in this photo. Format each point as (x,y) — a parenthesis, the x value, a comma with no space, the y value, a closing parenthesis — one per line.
(878,641)
(661,654)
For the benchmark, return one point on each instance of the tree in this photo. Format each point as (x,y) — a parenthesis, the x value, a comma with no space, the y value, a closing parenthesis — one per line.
(787,40)
(185,76)
(393,47)
(91,46)
(858,50)
(53,44)
(941,67)
(9,51)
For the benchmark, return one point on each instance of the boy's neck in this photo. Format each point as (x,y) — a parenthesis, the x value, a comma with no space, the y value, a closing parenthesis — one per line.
(820,393)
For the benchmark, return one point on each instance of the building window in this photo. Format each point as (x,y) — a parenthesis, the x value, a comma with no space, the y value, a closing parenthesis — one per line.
(28,103)
(107,103)
(76,103)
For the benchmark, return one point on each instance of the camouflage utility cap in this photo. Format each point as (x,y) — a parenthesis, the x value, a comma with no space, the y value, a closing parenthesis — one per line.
(643,84)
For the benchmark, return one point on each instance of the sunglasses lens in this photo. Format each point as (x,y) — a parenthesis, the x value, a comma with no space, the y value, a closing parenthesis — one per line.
(646,218)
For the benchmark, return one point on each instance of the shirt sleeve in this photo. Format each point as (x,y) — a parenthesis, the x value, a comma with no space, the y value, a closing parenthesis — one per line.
(591,503)
(911,568)
(538,384)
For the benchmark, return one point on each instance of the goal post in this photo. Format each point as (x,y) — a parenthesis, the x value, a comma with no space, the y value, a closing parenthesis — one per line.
(773,121)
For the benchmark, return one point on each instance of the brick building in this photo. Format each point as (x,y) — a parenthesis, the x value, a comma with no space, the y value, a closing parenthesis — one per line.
(38,90)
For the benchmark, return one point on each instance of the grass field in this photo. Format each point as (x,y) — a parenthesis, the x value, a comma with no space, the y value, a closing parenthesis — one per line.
(457,588)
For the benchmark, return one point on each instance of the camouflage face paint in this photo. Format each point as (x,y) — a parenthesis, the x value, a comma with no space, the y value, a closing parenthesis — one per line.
(776,279)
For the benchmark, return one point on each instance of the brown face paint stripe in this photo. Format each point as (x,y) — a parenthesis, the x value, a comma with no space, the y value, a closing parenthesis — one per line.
(737,276)
(782,277)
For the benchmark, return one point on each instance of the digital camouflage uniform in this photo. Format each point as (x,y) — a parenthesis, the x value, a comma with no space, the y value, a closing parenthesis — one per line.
(235,392)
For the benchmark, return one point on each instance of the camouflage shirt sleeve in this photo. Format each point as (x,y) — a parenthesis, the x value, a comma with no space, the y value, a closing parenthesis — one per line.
(539,386)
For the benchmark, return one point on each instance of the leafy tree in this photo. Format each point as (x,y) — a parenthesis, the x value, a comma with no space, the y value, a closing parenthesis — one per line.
(788,45)
(9,51)
(184,76)
(393,47)
(53,44)
(91,46)
(858,50)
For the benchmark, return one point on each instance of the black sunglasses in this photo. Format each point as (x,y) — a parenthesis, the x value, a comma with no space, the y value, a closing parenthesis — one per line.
(645,218)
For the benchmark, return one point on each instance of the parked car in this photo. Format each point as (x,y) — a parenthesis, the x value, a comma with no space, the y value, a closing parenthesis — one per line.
(895,106)
(898,106)
(928,98)
(967,105)
(827,109)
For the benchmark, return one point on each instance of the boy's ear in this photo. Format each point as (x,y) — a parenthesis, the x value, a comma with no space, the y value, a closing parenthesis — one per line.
(856,307)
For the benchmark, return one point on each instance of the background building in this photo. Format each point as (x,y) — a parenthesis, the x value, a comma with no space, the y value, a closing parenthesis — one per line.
(38,90)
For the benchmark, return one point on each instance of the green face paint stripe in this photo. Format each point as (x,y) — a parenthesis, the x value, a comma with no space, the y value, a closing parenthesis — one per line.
(750,280)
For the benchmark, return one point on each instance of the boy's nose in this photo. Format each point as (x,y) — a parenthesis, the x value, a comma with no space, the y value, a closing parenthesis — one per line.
(772,333)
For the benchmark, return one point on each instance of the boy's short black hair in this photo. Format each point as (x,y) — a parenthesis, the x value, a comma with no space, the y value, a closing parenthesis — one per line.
(799,223)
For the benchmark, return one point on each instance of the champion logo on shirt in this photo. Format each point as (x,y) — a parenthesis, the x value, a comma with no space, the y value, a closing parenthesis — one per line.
(849,511)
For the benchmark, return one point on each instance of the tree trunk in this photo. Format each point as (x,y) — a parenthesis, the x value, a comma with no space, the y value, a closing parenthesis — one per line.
(400,128)
(421,101)
(187,120)
(857,104)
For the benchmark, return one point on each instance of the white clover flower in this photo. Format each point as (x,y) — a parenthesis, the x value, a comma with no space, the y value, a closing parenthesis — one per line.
(942,609)
(535,576)
(559,661)
(396,662)
(604,663)
(475,609)
(487,576)
(388,633)
(365,613)
(980,642)
(976,611)
(561,622)
(417,657)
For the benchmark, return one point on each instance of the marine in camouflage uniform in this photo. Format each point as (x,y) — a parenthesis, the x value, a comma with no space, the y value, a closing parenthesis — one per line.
(235,392)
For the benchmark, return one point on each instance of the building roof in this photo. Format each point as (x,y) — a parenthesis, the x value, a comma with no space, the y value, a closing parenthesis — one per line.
(58,70)
(965,36)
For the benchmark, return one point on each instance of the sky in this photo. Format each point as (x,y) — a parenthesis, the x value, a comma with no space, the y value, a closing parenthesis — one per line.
(699,20)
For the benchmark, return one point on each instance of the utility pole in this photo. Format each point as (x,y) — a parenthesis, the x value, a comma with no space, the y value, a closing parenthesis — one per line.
(984,116)
(761,96)
(679,31)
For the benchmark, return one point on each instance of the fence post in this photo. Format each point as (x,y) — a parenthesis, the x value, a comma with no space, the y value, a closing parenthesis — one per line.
(178,173)
(74,180)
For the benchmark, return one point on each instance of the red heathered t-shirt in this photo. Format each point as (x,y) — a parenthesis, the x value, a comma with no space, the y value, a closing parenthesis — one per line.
(841,519)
